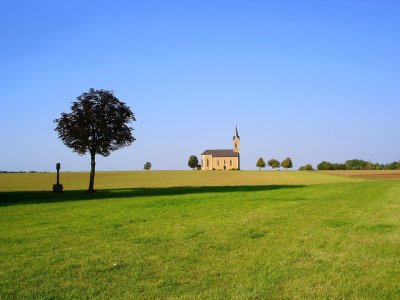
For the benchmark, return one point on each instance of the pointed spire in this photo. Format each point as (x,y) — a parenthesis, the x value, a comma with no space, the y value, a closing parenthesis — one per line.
(236,133)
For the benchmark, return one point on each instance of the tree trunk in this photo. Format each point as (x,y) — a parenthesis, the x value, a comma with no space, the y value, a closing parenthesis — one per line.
(92,172)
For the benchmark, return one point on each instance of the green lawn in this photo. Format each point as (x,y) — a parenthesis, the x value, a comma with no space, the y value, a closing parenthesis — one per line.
(257,235)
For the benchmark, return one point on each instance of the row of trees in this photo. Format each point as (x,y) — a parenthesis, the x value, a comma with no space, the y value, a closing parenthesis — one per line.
(287,163)
(193,163)
(358,164)
(274,163)
(353,164)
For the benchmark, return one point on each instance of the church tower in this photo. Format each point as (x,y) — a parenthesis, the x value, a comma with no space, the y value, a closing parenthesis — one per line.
(236,142)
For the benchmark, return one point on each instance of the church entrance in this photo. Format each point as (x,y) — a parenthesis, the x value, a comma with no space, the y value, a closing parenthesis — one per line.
(224,167)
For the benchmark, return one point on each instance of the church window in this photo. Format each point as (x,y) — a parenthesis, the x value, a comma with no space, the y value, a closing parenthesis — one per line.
(208,163)
(235,145)
(217,162)
(231,163)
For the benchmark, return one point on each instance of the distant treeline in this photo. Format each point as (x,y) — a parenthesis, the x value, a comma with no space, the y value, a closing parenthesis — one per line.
(356,164)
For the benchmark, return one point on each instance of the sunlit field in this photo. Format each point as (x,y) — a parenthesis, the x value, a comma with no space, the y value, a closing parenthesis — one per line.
(187,234)
(115,180)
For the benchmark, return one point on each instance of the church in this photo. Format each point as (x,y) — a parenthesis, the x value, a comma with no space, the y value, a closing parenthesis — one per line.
(222,159)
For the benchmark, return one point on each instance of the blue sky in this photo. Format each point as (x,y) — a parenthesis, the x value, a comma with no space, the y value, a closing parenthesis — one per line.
(310,80)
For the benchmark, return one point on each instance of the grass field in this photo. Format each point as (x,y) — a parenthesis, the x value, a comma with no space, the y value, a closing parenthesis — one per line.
(115,180)
(200,235)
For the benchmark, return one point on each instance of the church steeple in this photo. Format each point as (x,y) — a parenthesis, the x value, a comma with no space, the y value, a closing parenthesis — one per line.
(236,141)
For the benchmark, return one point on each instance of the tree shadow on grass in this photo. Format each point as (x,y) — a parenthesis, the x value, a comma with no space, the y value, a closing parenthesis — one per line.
(37,197)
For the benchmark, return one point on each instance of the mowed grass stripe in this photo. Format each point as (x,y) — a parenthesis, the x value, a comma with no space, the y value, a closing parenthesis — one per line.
(337,240)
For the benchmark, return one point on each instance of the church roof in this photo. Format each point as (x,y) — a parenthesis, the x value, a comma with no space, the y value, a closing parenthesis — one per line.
(221,153)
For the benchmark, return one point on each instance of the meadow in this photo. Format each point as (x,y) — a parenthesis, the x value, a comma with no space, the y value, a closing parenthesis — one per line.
(186,234)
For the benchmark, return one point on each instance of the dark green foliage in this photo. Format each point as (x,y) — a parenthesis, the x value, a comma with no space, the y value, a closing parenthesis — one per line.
(307,167)
(356,164)
(97,124)
(147,166)
(274,163)
(359,164)
(193,161)
(392,166)
(325,165)
(373,166)
(287,163)
(338,166)
(260,163)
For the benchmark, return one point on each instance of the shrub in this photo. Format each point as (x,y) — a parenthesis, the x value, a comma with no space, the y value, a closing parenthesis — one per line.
(307,167)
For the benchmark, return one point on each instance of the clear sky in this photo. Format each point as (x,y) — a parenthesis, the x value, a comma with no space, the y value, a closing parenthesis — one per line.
(311,80)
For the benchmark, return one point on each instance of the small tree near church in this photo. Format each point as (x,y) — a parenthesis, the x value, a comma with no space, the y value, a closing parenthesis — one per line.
(193,162)
(287,163)
(147,166)
(274,163)
(260,163)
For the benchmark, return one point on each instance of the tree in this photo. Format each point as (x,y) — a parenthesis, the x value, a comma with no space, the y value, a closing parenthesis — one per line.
(260,163)
(373,166)
(307,167)
(356,164)
(274,163)
(338,166)
(287,163)
(324,165)
(193,162)
(97,124)
(392,166)
(147,166)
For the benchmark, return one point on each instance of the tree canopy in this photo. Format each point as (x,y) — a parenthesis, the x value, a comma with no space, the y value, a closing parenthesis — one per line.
(97,124)
(287,163)
(260,163)
(307,167)
(358,164)
(147,166)
(274,163)
(390,166)
(193,162)
(324,165)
